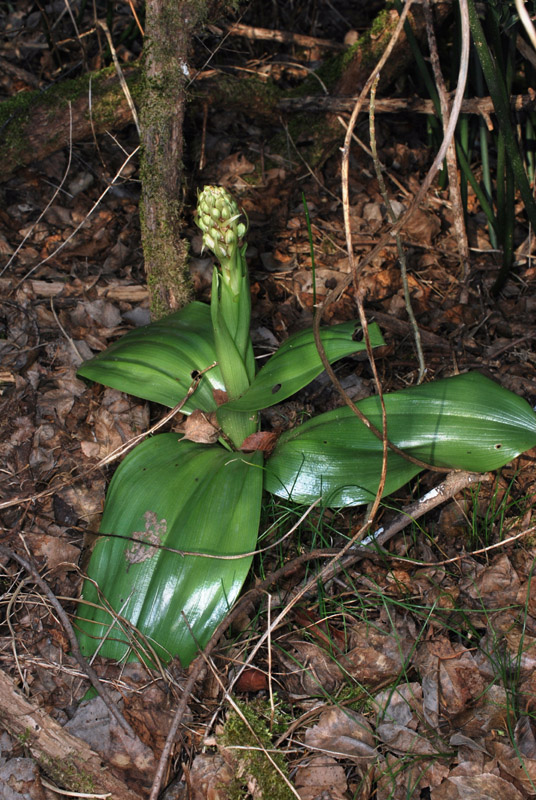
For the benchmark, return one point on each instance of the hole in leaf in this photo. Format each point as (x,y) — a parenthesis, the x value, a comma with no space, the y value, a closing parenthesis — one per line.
(194,374)
(497,446)
(276,388)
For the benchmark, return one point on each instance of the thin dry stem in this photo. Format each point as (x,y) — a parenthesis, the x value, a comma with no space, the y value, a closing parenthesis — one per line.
(452,164)
(89,671)
(392,219)
(120,75)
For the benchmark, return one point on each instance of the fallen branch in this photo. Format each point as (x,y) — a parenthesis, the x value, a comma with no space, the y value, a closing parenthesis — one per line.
(67,760)
(35,124)
(270,35)
(398,105)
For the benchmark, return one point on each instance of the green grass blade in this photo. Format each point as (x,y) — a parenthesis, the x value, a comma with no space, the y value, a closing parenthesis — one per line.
(495,80)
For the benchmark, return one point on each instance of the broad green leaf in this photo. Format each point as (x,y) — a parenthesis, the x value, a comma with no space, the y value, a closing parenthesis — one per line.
(297,363)
(466,422)
(184,496)
(156,362)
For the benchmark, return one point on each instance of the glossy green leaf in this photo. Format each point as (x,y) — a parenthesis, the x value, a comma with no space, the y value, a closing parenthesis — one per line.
(179,495)
(297,363)
(466,422)
(157,362)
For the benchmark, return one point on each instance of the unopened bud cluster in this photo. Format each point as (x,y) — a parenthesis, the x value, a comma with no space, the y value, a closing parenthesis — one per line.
(217,216)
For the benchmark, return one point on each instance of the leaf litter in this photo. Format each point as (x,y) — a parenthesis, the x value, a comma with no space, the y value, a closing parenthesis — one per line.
(411,679)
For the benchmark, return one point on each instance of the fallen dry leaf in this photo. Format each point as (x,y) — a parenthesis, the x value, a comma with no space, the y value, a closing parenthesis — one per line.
(377,655)
(400,739)
(451,678)
(309,669)
(210,776)
(202,427)
(252,680)
(476,787)
(344,733)
(20,780)
(322,777)
(94,724)
(262,440)
(400,778)
(493,586)
(399,705)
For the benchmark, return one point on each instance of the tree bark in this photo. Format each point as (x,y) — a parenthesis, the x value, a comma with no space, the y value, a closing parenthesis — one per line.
(170,25)
(369,49)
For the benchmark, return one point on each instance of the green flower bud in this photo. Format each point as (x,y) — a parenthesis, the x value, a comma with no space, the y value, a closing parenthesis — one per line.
(218,217)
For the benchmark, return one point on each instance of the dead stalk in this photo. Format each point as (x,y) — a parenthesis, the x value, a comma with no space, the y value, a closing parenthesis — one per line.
(392,218)
(452,164)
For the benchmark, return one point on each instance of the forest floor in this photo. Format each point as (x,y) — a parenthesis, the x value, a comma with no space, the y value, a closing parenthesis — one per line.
(395,679)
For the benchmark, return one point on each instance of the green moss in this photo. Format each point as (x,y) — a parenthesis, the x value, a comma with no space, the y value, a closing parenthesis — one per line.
(381,22)
(251,93)
(254,763)
(17,113)
(67,774)
(168,279)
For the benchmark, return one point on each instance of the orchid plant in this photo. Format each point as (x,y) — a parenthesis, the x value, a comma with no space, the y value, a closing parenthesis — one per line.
(182,512)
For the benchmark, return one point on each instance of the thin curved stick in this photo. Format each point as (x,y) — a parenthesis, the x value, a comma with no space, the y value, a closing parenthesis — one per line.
(356,270)
(89,671)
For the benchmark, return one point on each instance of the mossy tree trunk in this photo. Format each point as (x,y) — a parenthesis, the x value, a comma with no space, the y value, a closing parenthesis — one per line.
(170,25)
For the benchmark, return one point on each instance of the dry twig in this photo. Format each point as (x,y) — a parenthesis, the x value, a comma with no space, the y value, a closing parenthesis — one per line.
(89,671)
(452,163)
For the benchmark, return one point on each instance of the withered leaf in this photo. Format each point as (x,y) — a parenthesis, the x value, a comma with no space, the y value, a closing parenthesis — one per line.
(202,427)
(262,440)
(343,732)
(321,777)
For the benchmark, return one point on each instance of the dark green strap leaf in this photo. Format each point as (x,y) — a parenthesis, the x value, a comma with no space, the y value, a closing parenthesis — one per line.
(180,495)
(157,362)
(297,363)
(466,422)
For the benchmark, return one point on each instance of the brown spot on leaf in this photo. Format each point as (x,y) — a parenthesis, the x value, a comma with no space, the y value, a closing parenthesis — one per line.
(220,397)
(140,549)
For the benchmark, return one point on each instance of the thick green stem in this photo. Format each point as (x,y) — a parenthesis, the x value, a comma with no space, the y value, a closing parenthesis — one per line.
(218,217)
